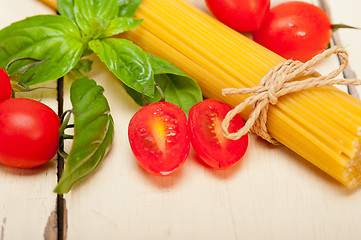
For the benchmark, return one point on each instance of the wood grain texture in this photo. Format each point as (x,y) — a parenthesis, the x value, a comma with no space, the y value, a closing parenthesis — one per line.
(26,197)
(271,194)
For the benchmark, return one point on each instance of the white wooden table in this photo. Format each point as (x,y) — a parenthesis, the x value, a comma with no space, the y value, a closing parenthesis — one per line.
(272,194)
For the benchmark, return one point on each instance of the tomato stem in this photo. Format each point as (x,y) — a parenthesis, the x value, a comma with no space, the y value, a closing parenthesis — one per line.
(18,84)
(78,72)
(25,68)
(67,136)
(335,27)
(62,153)
(64,120)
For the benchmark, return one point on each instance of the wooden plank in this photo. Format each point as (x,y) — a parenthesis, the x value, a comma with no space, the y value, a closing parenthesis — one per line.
(271,194)
(27,201)
(346,12)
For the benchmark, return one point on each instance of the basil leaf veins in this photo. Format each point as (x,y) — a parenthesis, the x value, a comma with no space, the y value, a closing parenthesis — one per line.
(42,37)
(127,61)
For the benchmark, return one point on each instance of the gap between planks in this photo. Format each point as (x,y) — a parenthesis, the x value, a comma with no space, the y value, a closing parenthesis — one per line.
(348,73)
(60,201)
(57,223)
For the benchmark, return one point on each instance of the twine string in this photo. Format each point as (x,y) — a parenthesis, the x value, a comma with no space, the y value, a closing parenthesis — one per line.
(287,77)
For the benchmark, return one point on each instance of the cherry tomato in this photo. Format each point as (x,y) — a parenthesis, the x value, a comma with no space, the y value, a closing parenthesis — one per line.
(205,119)
(241,15)
(5,86)
(159,137)
(295,30)
(28,133)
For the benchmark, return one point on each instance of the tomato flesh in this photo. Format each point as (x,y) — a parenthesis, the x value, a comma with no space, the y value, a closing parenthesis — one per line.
(205,119)
(28,133)
(240,15)
(295,30)
(159,137)
(5,86)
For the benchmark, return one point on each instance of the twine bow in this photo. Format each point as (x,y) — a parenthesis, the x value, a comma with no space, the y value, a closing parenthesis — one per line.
(281,80)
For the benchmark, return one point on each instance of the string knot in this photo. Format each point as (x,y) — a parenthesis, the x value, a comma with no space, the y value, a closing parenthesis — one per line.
(287,77)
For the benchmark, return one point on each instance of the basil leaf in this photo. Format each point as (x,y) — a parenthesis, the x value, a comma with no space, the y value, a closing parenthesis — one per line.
(160,65)
(84,65)
(177,87)
(66,8)
(100,10)
(93,132)
(97,28)
(119,25)
(127,8)
(127,61)
(42,37)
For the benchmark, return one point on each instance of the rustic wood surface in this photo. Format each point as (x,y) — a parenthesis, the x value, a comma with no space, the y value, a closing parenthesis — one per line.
(271,194)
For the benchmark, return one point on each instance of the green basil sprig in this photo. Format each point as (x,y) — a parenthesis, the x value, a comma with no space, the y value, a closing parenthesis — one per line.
(65,39)
(93,132)
(86,27)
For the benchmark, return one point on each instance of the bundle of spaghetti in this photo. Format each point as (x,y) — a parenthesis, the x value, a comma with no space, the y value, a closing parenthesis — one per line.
(323,125)
(320,124)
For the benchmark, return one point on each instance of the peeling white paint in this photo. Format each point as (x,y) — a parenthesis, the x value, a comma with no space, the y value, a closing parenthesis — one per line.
(51,229)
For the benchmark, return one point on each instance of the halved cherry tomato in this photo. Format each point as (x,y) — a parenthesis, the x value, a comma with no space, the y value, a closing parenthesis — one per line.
(241,15)
(5,86)
(205,119)
(28,133)
(295,30)
(159,137)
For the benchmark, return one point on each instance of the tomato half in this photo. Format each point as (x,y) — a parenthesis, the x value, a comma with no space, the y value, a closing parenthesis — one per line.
(295,30)
(28,133)
(241,15)
(205,119)
(5,86)
(159,137)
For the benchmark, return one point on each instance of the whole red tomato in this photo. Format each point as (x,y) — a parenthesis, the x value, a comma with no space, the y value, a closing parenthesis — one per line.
(28,133)
(295,30)
(241,15)
(5,86)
